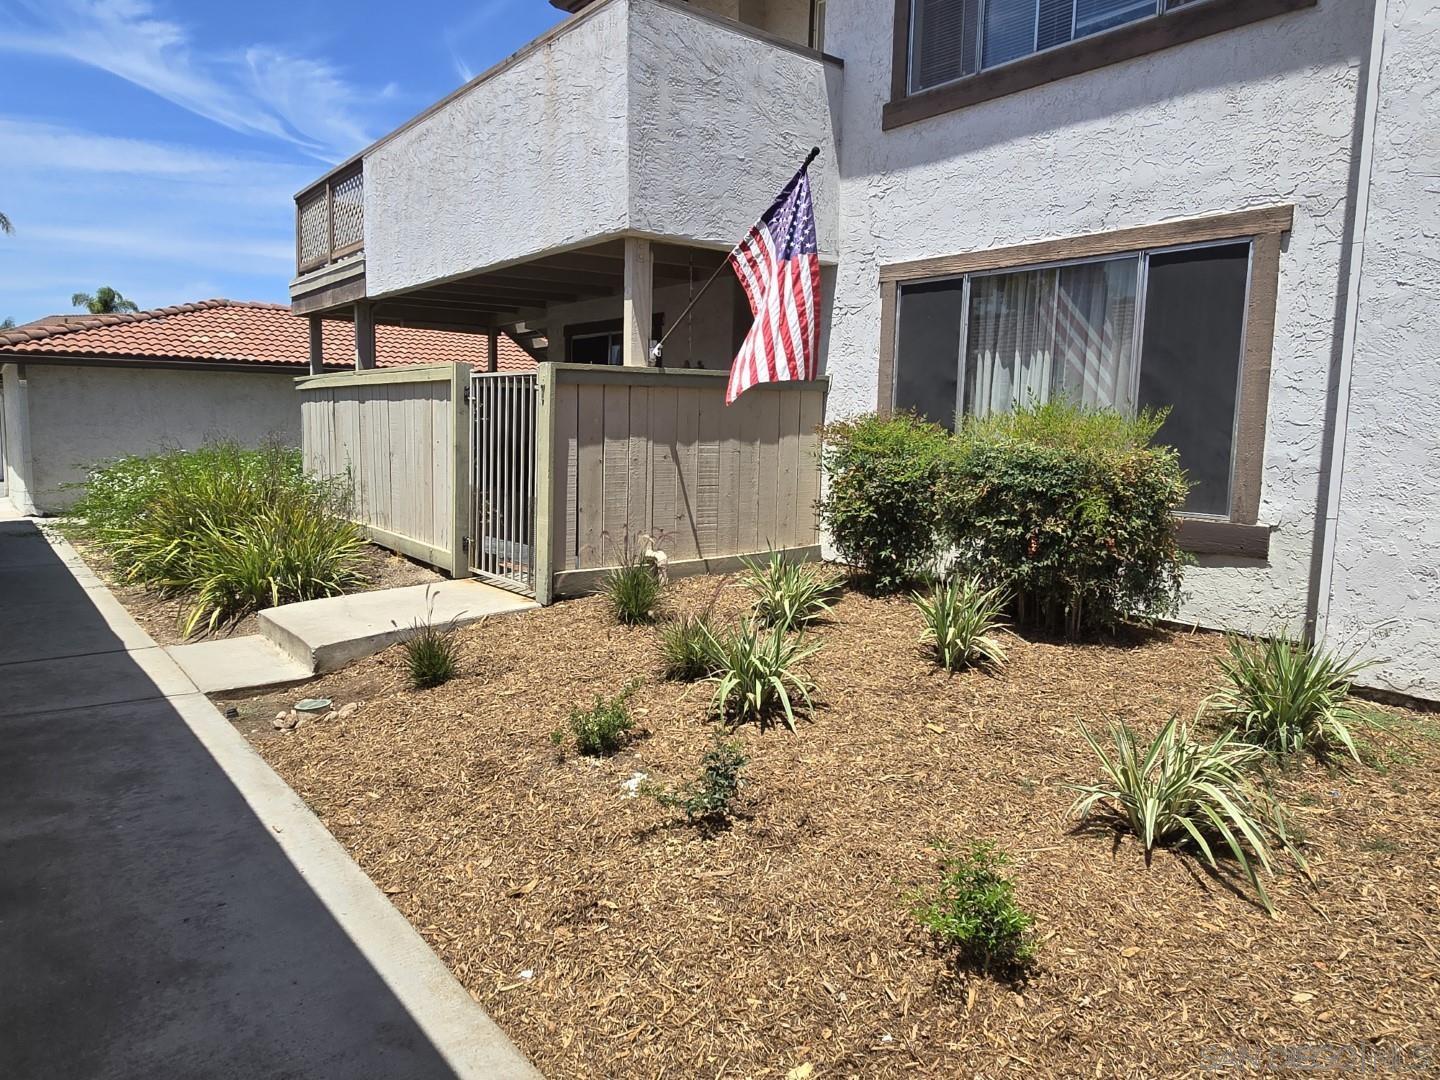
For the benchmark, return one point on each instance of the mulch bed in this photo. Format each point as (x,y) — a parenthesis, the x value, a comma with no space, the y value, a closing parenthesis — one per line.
(610,939)
(162,616)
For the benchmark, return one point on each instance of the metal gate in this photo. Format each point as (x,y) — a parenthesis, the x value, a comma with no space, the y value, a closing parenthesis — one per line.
(502,461)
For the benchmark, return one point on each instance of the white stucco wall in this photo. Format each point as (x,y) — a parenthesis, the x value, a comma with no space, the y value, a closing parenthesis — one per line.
(719,121)
(79,415)
(1385,590)
(638,116)
(1252,117)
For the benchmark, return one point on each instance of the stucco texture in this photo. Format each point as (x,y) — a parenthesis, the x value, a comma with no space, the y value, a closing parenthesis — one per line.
(1385,589)
(636,117)
(80,415)
(1256,116)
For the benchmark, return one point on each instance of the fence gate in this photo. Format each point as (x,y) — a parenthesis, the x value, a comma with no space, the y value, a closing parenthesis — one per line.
(502,456)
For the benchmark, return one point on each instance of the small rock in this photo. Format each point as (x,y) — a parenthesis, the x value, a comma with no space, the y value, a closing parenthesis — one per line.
(631,787)
(331,715)
(281,721)
(347,711)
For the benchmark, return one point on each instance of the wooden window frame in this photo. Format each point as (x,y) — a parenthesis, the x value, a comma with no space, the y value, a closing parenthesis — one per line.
(1240,534)
(1151,34)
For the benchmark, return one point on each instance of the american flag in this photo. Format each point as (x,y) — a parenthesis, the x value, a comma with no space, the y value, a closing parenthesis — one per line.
(778,264)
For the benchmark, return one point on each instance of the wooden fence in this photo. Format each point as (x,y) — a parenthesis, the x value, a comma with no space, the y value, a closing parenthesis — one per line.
(631,451)
(401,435)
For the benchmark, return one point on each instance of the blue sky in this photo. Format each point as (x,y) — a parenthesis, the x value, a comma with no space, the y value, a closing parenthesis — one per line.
(156,145)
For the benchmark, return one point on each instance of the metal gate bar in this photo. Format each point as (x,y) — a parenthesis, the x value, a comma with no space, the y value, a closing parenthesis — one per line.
(502,455)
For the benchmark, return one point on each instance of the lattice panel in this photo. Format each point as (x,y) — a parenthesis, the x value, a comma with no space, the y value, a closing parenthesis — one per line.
(348,197)
(311,225)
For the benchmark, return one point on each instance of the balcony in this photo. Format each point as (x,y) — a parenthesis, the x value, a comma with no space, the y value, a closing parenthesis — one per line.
(632,119)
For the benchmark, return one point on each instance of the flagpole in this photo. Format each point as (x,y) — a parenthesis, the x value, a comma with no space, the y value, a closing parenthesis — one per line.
(656,352)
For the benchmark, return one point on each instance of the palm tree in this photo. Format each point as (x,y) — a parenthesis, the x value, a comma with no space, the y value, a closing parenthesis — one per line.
(106,301)
(5,225)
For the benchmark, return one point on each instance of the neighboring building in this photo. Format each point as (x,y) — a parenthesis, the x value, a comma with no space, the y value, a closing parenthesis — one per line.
(80,388)
(1221,207)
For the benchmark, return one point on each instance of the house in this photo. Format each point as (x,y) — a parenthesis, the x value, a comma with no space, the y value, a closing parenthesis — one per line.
(80,388)
(1223,208)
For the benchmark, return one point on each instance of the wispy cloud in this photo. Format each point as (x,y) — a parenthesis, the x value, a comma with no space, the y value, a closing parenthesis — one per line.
(258,90)
(478,17)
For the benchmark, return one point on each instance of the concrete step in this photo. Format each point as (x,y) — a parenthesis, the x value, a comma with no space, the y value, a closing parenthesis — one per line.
(237,663)
(325,635)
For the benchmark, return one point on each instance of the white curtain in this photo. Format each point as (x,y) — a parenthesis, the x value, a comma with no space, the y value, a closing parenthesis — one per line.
(1039,334)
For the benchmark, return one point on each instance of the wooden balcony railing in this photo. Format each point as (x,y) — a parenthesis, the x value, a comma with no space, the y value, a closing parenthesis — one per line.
(330,220)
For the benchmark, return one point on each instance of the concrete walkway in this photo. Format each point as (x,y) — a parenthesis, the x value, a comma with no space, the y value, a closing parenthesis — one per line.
(168,907)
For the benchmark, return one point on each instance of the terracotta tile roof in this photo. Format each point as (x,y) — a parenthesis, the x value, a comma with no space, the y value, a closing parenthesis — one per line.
(238,331)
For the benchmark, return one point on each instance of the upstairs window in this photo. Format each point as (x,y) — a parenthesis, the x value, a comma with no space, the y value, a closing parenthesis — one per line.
(950,39)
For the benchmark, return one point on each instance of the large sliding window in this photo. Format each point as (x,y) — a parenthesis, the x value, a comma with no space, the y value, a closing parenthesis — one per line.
(950,39)
(1160,328)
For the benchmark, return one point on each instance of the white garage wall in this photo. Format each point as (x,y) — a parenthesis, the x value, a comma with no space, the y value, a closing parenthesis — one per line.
(79,415)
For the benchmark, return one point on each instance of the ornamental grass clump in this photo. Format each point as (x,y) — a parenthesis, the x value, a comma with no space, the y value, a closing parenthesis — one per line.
(686,648)
(237,528)
(790,595)
(973,911)
(432,652)
(880,505)
(1176,790)
(757,674)
(1290,697)
(1071,511)
(963,620)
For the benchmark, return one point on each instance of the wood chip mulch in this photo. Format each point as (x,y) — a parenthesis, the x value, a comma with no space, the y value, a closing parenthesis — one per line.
(609,939)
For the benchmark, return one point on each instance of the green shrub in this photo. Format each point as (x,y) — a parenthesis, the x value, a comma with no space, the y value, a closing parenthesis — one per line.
(1070,511)
(432,653)
(603,728)
(788,594)
(238,528)
(709,800)
(1177,790)
(974,912)
(1289,697)
(685,648)
(880,505)
(962,623)
(757,674)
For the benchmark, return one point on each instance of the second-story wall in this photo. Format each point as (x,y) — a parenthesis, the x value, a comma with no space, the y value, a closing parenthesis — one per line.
(1252,117)
(636,116)
(533,158)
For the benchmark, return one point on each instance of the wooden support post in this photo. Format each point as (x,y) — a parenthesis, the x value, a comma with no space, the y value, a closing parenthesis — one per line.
(364,337)
(317,345)
(545,465)
(460,476)
(639,302)
(492,356)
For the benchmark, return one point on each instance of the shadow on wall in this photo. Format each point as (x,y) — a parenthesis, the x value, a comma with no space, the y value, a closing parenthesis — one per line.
(152,925)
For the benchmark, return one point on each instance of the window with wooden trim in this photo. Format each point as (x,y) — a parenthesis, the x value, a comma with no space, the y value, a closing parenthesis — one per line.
(1183,324)
(954,38)
(949,54)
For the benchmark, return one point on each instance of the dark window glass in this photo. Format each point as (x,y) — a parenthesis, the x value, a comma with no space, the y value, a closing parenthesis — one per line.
(1190,361)
(927,349)
(595,349)
(943,39)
